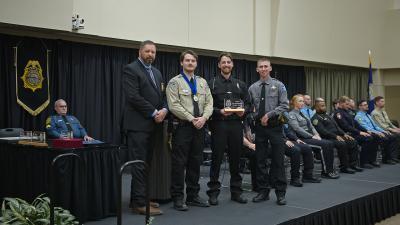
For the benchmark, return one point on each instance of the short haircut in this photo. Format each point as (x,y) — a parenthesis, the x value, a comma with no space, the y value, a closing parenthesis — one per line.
(226,54)
(361,102)
(58,101)
(263,59)
(318,100)
(188,52)
(146,42)
(335,101)
(377,99)
(343,99)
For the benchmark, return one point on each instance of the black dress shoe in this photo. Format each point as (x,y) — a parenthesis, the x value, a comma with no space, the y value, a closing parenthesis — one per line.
(261,196)
(197,201)
(375,164)
(389,162)
(367,166)
(330,175)
(179,205)
(396,160)
(356,168)
(213,200)
(281,200)
(311,180)
(238,198)
(296,182)
(347,170)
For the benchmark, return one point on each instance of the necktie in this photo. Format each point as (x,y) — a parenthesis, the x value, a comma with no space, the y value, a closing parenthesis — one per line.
(308,112)
(151,75)
(67,123)
(308,122)
(196,110)
(261,107)
(372,123)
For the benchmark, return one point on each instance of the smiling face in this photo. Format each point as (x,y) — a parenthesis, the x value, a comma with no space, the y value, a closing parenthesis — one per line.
(147,53)
(225,65)
(264,68)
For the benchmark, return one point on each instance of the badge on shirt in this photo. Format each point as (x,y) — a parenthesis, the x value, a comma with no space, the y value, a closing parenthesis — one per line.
(237,85)
(162,87)
(185,91)
(273,87)
(292,117)
(315,122)
(338,116)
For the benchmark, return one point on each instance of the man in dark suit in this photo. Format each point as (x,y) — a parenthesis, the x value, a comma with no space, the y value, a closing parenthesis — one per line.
(145,110)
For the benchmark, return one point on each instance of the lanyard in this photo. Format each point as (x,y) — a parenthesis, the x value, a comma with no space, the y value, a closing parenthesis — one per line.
(192,86)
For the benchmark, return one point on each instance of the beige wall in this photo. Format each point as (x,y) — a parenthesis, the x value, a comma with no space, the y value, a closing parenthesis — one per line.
(51,14)
(339,31)
(207,24)
(391,39)
(327,31)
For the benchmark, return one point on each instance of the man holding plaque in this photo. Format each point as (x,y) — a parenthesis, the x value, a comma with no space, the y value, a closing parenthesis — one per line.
(226,128)
(268,98)
(190,101)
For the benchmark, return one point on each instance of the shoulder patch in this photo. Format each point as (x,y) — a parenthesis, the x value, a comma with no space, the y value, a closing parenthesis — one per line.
(283,88)
(48,121)
(315,122)
(338,116)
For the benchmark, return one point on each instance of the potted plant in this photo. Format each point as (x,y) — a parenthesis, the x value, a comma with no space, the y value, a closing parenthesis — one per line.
(18,211)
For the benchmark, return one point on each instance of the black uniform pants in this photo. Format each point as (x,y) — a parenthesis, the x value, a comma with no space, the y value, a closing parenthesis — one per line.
(327,149)
(226,136)
(140,145)
(389,146)
(187,154)
(369,148)
(251,155)
(264,136)
(295,153)
(347,152)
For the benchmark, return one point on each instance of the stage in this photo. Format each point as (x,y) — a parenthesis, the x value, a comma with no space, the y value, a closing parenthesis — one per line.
(359,199)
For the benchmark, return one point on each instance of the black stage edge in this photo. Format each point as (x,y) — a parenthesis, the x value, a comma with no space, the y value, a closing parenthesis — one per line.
(359,199)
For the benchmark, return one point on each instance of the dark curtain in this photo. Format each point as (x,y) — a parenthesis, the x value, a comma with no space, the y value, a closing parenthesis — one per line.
(88,77)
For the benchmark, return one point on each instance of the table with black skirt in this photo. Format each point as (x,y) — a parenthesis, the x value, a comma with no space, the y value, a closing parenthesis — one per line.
(89,192)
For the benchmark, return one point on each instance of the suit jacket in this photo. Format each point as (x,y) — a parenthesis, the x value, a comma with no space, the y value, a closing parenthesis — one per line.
(142,97)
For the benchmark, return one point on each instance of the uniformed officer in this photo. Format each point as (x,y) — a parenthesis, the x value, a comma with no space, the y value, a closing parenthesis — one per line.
(346,122)
(63,123)
(307,110)
(296,149)
(384,138)
(345,144)
(226,129)
(190,101)
(268,100)
(306,131)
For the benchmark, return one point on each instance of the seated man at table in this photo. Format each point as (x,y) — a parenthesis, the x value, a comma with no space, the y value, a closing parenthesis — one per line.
(63,123)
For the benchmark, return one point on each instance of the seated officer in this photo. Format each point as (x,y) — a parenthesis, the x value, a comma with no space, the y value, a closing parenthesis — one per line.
(384,138)
(62,123)
(345,144)
(303,128)
(381,117)
(346,122)
(295,149)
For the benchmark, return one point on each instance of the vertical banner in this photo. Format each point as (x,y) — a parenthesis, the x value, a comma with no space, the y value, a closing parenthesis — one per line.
(32,75)
(371,103)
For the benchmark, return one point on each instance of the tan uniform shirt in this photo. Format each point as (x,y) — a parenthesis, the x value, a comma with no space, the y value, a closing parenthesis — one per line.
(382,119)
(179,97)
